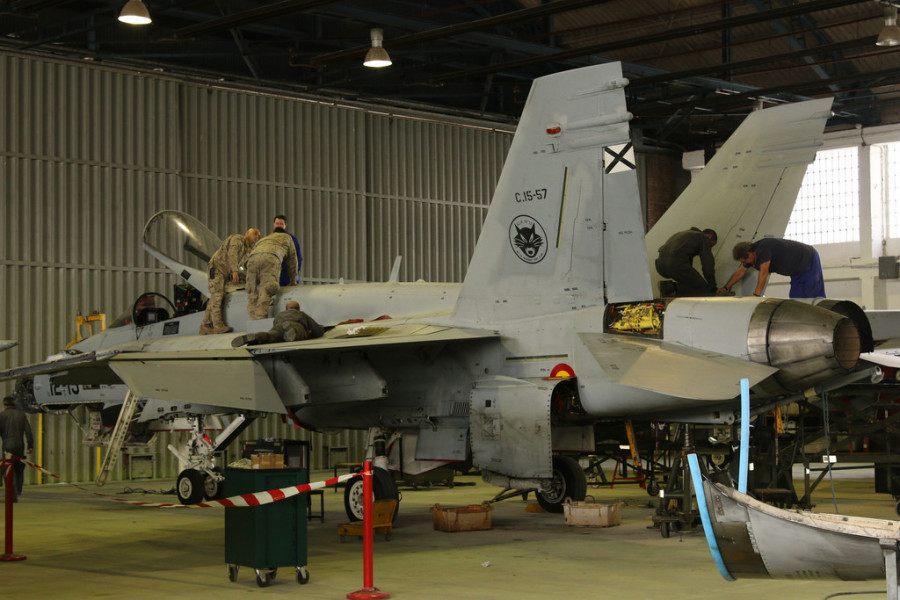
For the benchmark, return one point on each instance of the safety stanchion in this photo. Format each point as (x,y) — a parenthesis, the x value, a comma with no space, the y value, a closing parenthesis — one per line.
(8,554)
(368,591)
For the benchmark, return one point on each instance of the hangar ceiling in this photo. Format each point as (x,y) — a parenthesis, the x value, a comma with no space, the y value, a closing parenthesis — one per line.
(696,66)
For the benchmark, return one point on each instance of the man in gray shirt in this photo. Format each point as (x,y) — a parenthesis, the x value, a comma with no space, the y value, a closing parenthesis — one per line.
(16,432)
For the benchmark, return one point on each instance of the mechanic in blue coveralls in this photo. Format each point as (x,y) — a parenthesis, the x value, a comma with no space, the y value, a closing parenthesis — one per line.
(285,277)
(792,259)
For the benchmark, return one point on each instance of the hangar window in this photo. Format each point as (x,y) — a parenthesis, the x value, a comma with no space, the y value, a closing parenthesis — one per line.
(827,207)
(891,176)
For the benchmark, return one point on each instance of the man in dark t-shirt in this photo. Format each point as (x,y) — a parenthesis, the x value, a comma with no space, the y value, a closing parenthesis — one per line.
(676,261)
(792,259)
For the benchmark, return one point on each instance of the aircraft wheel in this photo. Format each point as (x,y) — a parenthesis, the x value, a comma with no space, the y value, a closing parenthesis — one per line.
(213,489)
(232,573)
(302,575)
(383,486)
(569,481)
(189,486)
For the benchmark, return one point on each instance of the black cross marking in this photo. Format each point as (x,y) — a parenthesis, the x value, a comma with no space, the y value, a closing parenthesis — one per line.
(618,157)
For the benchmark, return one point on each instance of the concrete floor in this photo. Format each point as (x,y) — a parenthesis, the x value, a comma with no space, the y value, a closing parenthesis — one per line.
(79,545)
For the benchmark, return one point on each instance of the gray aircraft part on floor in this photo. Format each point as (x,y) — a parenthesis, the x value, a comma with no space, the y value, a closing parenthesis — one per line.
(756,540)
(554,327)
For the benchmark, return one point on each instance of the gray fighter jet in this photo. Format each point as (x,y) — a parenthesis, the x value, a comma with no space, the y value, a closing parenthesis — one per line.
(555,326)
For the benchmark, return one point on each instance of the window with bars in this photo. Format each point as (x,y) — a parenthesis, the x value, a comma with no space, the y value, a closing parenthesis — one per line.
(827,207)
(891,181)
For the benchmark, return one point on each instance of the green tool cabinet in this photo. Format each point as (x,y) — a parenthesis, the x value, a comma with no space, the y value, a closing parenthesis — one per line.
(269,536)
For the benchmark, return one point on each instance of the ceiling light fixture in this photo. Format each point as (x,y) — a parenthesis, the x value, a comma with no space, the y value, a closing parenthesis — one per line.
(377,57)
(890,35)
(135,13)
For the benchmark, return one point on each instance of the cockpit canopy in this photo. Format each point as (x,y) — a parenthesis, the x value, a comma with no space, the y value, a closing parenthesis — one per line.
(181,238)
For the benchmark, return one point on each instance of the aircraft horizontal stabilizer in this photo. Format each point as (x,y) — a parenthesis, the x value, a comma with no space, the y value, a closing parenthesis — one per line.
(667,368)
(885,326)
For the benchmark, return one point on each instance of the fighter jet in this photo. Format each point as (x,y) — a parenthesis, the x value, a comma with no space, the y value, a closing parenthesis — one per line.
(554,327)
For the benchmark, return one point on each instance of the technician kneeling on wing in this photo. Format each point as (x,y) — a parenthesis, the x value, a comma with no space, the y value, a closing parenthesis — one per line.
(290,325)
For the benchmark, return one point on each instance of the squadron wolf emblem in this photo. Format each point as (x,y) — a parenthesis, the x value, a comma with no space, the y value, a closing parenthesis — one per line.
(528,239)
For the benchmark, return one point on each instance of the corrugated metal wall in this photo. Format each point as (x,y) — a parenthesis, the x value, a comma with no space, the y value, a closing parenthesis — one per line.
(88,154)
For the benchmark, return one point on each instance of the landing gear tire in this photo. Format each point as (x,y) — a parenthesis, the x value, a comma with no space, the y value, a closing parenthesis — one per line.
(213,488)
(190,486)
(569,482)
(383,486)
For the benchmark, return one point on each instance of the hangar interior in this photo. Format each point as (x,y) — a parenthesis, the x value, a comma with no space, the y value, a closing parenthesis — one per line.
(236,113)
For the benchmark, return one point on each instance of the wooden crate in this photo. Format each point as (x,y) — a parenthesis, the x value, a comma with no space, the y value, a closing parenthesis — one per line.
(463,518)
(590,514)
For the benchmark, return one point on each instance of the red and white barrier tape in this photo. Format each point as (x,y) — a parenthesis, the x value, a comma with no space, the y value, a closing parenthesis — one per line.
(241,500)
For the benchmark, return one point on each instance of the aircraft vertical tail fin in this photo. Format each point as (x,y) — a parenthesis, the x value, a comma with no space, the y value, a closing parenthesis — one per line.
(748,189)
(564,229)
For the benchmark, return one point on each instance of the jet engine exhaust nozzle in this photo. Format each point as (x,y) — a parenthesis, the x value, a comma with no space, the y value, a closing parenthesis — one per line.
(806,343)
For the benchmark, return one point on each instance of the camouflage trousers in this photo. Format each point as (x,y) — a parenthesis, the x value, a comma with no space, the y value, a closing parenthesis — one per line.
(263,271)
(212,318)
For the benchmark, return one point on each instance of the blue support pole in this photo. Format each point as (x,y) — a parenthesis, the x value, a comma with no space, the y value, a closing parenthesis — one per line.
(745,435)
(705,519)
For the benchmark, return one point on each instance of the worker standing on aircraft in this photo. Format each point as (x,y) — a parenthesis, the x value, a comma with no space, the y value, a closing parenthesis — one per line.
(224,266)
(263,268)
(18,440)
(792,259)
(285,278)
(290,325)
(676,261)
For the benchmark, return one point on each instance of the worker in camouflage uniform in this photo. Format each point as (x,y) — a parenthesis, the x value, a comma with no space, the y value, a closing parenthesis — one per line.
(264,268)
(224,266)
(290,325)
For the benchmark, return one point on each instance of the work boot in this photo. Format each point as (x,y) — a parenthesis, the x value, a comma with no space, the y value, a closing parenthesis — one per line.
(223,328)
(206,330)
(248,339)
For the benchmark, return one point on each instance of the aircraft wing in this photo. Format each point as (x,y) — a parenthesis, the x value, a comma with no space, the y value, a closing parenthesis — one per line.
(235,378)
(367,335)
(672,369)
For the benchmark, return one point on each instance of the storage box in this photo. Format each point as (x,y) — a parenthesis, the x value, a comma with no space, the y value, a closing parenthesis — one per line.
(295,453)
(267,461)
(590,514)
(463,518)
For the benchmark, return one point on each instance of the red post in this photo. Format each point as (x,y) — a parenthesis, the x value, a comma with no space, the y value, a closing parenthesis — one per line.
(369,591)
(8,554)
